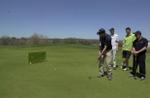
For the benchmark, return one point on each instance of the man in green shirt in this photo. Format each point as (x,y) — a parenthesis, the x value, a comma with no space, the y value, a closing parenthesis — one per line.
(127,48)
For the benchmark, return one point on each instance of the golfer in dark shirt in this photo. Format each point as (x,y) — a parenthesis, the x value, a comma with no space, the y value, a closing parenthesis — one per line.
(105,55)
(139,52)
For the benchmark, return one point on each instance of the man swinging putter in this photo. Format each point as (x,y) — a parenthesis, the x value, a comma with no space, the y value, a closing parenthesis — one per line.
(105,56)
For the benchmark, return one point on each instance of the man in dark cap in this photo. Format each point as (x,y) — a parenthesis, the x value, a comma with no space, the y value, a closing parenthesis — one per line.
(105,55)
(139,51)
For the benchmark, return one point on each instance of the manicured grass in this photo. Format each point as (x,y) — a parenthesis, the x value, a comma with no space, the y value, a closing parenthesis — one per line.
(65,74)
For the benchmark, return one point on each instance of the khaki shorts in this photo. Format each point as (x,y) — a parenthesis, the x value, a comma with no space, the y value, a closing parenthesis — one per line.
(105,63)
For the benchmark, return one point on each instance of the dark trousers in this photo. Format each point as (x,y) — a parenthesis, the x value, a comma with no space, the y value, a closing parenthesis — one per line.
(139,60)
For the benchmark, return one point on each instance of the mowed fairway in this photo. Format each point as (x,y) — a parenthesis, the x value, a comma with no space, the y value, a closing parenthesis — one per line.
(70,71)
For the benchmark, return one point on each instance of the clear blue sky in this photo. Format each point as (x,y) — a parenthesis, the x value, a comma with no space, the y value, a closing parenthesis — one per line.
(72,18)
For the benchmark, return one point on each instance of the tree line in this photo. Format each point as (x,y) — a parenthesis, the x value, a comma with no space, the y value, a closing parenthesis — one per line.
(38,39)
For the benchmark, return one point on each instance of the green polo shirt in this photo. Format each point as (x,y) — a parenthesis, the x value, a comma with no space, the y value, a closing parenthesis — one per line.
(128,42)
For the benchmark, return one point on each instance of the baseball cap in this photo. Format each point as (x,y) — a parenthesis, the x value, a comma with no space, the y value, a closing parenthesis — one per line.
(111,29)
(138,33)
(102,30)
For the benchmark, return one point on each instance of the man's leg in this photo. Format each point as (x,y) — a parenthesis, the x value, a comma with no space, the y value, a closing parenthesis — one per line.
(108,60)
(127,55)
(124,59)
(142,66)
(114,57)
(125,63)
(101,67)
(135,64)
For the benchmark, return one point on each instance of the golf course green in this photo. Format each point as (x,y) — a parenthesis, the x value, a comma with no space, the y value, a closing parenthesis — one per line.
(70,71)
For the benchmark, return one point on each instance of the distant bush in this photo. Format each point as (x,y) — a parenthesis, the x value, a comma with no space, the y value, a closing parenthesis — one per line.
(35,39)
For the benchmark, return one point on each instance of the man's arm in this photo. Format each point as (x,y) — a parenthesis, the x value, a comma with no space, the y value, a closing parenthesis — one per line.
(102,53)
(117,39)
(104,50)
(144,48)
(133,50)
(141,50)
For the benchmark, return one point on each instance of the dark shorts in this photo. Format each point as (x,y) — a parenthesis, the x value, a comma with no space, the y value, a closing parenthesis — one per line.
(126,54)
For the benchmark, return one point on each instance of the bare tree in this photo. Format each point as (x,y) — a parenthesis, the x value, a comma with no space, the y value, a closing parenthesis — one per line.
(38,39)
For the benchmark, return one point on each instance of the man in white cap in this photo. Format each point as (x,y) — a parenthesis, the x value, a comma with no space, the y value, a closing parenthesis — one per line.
(114,43)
